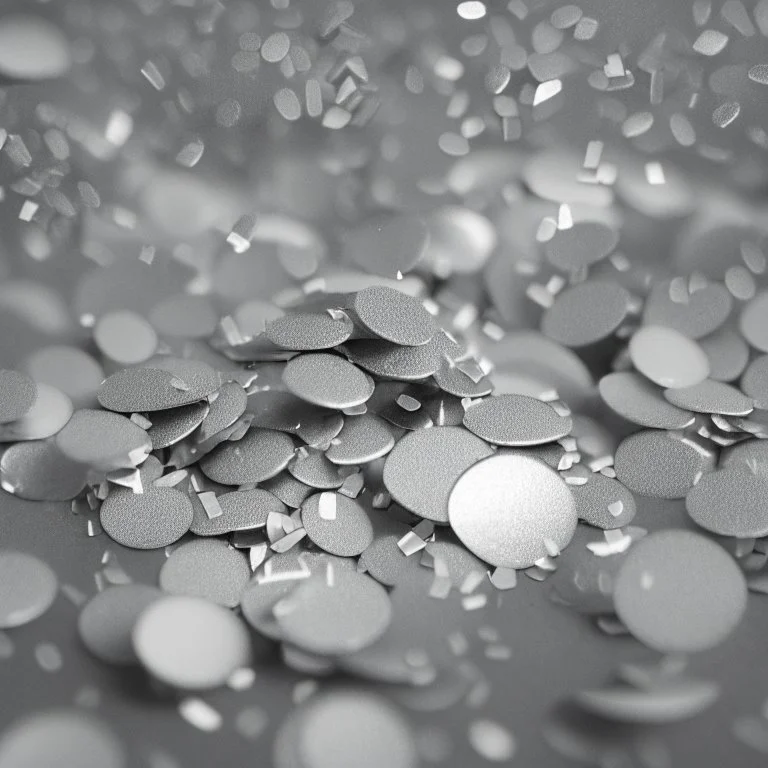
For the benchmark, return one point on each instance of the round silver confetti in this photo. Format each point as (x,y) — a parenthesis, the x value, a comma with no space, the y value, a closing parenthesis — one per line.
(190,643)
(604,502)
(125,337)
(150,520)
(423,467)
(586,313)
(694,314)
(169,427)
(393,316)
(751,453)
(336,524)
(384,560)
(311,467)
(306,332)
(452,380)
(361,440)
(103,440)
(516,420)
(17,395)
(335,615)
(459,563)
(69,369)
(754,382)
(753,322)
(49,413)
(711,396)
(184,316)
(392,361)
(39,471)
(28,588)
(642,402)
(206,568)
(106,622)
(667,357)
(288,489)
(731,502)
(512,510)
(259,455)
(664,465)
(585,243)
(327,380)
(727,352)
(679,592)
(239,511)
(224,411)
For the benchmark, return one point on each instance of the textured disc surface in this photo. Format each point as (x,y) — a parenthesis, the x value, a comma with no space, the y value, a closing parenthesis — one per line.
(361,440)
(50,411)
(308,331)
(710,396)
(327,380)
(667,357)
(336,524)
(699,313)
(17,395)
(506,507)
(240,511)
(642,402)
(391,315)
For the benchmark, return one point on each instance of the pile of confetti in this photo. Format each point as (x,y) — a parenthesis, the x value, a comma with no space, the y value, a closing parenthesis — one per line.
(355,317)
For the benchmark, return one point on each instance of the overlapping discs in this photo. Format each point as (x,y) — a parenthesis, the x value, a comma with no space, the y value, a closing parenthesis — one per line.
(695,314)
(667,357)
(710,396)
(336,524)
(327,380)
(512,510)
(306,332)
(169,427)
(237,511)
(361,440)
(423,467)
(49,412)
(393,316)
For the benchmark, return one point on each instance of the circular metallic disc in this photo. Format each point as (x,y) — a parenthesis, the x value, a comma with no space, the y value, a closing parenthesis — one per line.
(391,361)
(335,615)
(700,313)
(754,382)
(240,511)
(711,396)
(668,358)
(361,440)
(512,510)
(33,49)
(169,427)
(28,588)
(354,727)
(125,337)
(336,524)
(460,240)
(727,352)
(679,592)
(391,315)
(224,411)
(308,331)
(668,704)
(49,413)
(319,428)
(384,560)
(458,561)
(327,380)
(207,568)
(452,380)
(184,316)
(516,420)
(423,467)
(136,390)
(604,502)
(70,370)
(586,313)
(283,411)
(641,402)
(277,578)
(252,316)
(103,440)
(288,489)
(257,456)
(39,471)
(107,620)
(731,502)
(150,520)
(190,643)
(753,322)
(60,737)
(664,465)
(387,244)
(585,243)
(753,453)
(17,395)
(311,467)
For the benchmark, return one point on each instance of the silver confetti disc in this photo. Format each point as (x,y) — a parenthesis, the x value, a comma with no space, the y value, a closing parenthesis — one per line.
(308,331)
(512,510)
(190,643)
(327,380)
(753,322)
(337,524)
(694,314)
(39,471)
(106,622)
(184,316)
(585,243)
(125,337)
(586,313)
(751,453)
(69,369)
(727,352)
(206,568)
(224,411)
(169,427)
(28,588)
(239,511)
(103,440)
(17,395)
(710,396)
(604,502)
(392,361)
(50,411)
(452,380)
(754,382)
(361,440)
(664,465)
(393,316)
(516,420)
(731,502)
(33,49)
(423,467)
(311,467)
(667,357)
(259,455)
(150,520)
(640,401)
(288,489)
(341,613)
(679,592)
